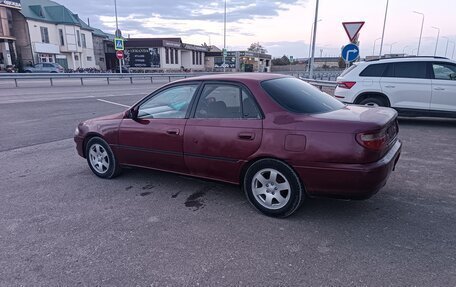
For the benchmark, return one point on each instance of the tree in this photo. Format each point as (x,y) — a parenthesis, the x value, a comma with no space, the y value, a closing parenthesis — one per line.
(281,61)
(257,48)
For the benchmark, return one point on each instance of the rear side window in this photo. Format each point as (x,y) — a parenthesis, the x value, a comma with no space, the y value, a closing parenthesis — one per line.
(375,70)
(409,70)
(297,96)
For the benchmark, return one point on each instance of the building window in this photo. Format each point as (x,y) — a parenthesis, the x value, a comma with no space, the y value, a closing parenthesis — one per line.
(62,40)
(84,43)
(101,59)
(89,59)
(172,55)
(76,57)
(167,55)
(177,56)
(193,57)
(79,37)
(44,34)
(200,58)
(9,16)
(45,58)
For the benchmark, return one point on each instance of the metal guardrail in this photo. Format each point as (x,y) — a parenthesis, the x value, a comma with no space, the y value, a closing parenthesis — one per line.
(108,76)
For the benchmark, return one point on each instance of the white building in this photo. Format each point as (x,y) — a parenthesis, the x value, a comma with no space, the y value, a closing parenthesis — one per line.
(55,34)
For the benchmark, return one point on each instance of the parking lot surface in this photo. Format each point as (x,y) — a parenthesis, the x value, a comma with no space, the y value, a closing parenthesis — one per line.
(62,226)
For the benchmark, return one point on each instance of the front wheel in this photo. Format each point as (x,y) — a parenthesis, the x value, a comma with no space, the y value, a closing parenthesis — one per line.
(273,188)
(101,159)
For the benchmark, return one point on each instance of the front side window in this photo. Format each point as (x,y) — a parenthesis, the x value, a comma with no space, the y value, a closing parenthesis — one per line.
(171,103)
(300,97)
(444,71)
(44,34)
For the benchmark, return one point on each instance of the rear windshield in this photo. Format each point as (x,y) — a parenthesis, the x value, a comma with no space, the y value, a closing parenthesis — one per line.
(348,70)
(299,97)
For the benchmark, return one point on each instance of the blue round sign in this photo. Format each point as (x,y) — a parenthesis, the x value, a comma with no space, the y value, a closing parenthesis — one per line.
(350,53)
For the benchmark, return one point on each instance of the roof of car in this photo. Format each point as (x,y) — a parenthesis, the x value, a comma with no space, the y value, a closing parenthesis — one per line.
(408,59)
(238,77)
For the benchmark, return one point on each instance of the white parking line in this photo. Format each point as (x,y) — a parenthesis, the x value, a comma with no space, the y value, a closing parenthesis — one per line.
(112,103)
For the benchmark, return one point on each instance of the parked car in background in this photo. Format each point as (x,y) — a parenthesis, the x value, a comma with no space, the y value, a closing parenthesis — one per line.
(278,137)
(414,86)
(44,68)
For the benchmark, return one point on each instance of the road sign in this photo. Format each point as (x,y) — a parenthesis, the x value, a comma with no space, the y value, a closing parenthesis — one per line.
(119,44)
(119,55)
(352,29)
(350,53)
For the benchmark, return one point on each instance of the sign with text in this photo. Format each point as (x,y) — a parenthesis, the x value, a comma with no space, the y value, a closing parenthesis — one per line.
(11,3)
(143,57)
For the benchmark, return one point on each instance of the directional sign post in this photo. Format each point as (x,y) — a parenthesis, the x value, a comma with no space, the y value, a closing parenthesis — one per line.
(119,47)
(350,53)
(352,29)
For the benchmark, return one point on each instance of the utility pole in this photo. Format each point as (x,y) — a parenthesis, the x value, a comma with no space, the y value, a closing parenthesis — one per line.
(436,43)
(384,26)
(421,33)
(310,45)
(312,60)
(118,34)
(224,40)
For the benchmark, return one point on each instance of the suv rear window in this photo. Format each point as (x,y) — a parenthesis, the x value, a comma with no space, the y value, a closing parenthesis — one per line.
(300,97)
(410,70)
(375,70)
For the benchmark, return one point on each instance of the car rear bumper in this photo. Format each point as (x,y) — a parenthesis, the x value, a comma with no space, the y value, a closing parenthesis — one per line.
(79,145)
(349,181)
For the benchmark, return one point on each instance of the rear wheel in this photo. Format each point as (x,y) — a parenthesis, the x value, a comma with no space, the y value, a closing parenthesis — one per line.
(101,159)
(374,102)
(273,188)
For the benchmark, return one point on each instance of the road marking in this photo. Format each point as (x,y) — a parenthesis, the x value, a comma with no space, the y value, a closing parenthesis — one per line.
(113,103)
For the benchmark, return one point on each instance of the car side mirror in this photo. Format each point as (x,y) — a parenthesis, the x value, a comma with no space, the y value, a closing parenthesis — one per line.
(453,76)
(132,113)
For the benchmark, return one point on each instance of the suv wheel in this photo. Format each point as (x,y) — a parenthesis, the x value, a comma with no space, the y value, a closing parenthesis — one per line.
(374,102)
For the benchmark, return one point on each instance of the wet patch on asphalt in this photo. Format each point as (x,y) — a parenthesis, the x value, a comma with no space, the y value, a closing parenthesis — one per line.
(176,194)
(196,200)
(128,187)
(149,186)
(145,193)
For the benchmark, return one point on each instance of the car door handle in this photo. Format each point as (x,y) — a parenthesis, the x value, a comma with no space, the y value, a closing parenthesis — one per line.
(390,87)
(439,89)
(246,136)
(173,132)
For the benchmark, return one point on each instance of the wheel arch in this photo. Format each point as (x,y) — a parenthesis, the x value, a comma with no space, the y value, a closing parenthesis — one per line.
(88,137)
(366,95)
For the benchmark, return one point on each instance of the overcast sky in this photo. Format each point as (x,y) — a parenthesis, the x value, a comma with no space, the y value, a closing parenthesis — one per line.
(283,27)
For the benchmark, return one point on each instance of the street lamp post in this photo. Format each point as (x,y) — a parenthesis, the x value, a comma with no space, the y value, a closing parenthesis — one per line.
(384,26)
(448,42)
(224,39)
(421,33)
(375,44)
(391,47)
(314,41)
(310,44)
(436,43)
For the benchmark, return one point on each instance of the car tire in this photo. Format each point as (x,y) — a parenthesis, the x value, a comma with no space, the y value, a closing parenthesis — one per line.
(101,159)
(273,188)
(374,102)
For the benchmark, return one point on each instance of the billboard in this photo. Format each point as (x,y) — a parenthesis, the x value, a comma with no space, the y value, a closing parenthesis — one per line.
(142,57)
(11,3)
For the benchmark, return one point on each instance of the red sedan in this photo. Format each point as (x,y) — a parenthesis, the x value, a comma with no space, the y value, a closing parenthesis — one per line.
(278,137)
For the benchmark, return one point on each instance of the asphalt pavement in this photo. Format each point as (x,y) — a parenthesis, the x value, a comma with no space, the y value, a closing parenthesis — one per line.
(62,226)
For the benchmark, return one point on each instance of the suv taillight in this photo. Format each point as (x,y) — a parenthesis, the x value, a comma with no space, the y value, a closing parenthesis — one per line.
(378,140)
(346,85)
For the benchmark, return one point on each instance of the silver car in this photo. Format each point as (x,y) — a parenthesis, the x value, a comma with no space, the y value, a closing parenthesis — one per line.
(44,68)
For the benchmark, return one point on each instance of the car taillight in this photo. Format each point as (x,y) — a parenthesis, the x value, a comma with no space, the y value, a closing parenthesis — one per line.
(379,140)
(346,85)
(373,141)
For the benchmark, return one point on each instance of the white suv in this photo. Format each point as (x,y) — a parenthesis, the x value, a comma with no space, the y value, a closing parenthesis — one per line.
(414,86)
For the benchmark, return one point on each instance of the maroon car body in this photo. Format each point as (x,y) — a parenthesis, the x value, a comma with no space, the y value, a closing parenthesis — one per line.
(323,149)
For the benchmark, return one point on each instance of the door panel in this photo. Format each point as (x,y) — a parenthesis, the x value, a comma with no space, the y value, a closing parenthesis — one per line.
(152,143)
(217,148)
(407,85)
(444,87)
